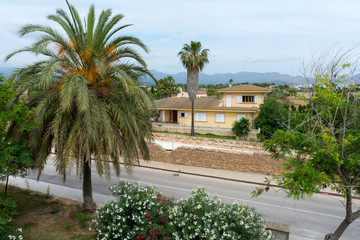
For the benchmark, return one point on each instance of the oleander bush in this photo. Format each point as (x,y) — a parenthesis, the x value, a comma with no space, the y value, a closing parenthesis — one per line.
(142,213)
(202,217)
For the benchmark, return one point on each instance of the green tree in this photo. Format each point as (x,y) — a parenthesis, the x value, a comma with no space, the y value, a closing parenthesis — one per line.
(230,81)
(165,87)
(272,116)
(15,120)
(212,92)
(327,154)
(90,105)
(193,58)
(241,128)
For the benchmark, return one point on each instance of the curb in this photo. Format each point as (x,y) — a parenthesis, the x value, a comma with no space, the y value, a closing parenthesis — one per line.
(235,180)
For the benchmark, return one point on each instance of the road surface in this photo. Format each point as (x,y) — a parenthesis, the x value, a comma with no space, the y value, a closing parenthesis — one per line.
(308,219)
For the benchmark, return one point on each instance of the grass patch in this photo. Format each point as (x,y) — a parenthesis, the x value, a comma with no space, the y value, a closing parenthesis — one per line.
(43,217)
(208,135)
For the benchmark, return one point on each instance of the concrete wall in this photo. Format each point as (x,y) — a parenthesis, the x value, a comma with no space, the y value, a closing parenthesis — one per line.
(179,128)
(229,117)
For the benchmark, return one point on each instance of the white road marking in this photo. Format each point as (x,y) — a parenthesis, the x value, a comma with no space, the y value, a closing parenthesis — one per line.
(240,200)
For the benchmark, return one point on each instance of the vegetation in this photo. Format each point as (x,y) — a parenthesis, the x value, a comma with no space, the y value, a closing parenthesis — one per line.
(241,128)
(208,135)
(165,87)
(272,116)
(89,103)
(326,154)
(35,213)
(212,92)
(15,120)
(193,58)
(142,213)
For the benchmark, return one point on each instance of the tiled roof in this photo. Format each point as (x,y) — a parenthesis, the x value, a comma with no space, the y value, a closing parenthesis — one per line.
(244,88)
(200,103)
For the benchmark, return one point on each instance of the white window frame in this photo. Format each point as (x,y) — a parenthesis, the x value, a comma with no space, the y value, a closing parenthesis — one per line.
(220,117)
(228,101)
(239,99)
(240,116)
(200,117)
(185,114)
(256,99)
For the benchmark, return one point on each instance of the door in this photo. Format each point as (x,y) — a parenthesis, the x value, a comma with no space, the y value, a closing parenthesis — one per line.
(228,100)
(175,116)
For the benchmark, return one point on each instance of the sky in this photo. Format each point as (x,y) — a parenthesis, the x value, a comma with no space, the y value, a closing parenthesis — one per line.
(252,36)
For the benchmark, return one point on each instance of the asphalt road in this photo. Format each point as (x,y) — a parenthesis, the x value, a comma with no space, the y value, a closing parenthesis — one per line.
(308,219)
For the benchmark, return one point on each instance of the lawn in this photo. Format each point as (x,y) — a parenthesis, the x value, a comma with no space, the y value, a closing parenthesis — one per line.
(44,217)
(208,135)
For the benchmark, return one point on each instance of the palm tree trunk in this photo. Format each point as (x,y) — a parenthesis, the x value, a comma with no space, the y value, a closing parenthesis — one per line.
(192,119)
(88,204)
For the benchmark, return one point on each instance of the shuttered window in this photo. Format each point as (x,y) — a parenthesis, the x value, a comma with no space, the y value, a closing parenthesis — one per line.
(220,117)
(200,117)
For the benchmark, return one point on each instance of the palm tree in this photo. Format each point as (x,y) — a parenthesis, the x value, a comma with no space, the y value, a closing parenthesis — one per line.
(193,59)
(87,95)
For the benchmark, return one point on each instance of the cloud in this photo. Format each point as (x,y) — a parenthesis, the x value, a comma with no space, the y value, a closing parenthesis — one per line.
(258,35)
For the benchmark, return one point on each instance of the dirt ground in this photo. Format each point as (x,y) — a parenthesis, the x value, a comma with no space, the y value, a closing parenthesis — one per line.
(242,162)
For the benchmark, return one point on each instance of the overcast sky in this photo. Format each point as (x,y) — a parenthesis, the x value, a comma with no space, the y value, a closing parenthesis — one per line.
(255,36)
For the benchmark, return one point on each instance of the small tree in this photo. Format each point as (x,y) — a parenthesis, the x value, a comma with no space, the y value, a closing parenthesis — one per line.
(165,87)
(327,154)
(272,116)
(241,128)
(15,119)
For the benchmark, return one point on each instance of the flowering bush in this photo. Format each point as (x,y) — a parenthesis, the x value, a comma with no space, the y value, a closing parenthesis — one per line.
(137,213)
(201,217)
(142,213)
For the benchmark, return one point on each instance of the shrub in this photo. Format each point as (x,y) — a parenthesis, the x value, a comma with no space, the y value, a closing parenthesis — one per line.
(141,213)
(201,217)
(137,213)
(241,128)
(7,212)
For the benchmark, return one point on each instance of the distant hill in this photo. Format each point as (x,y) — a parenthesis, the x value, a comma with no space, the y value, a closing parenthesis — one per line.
(218,78)
(241,77)
(6,71)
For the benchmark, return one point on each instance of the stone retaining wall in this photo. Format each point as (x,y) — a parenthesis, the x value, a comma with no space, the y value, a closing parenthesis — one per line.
(243,162)
(212,142)
(201,130)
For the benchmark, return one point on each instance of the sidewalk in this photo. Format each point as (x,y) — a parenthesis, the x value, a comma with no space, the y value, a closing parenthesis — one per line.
(206,172)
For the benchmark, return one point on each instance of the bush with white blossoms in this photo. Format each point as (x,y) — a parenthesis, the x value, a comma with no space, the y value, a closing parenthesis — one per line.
(142,213)
(137,213)
(202,217)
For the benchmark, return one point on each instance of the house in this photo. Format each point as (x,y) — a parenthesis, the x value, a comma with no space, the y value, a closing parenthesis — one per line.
(199,93)
(240,101)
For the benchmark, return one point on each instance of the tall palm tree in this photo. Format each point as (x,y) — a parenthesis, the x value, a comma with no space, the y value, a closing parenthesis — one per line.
(193,59)
(87,94)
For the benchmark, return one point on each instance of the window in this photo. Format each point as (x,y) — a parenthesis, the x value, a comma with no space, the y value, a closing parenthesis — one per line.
(248,98)
(183,114)
(240,116)
(239,99)
(200,117)
(220,117)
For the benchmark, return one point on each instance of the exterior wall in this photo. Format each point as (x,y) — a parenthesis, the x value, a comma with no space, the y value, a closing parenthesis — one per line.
(230,118)
(235,104)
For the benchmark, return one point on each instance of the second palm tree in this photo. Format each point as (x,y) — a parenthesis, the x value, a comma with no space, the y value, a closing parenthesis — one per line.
(193,58)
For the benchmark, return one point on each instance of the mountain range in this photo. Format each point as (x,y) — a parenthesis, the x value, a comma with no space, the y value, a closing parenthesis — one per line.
(223,78)
(217,78)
